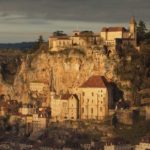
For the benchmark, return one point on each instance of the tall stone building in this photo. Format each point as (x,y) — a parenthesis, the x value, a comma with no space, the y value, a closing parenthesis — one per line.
(93,98)
(65,108)
(132,29)
(114,36)
(60,41)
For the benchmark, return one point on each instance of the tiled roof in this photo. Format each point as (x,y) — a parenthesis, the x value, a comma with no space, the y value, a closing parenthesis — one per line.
(67,96)
(95,82)
(113,29)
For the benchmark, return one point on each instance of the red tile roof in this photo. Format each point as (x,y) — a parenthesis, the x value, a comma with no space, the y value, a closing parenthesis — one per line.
(113,29)
(95,82)
(66,96)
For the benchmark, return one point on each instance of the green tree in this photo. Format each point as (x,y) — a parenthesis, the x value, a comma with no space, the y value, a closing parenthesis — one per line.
(147,37)
(59,33)
(5,120)
(40,40)
(141,31)
(38,44)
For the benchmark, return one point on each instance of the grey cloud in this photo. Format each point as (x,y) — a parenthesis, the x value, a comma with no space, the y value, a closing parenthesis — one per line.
(79,10)
(23,20)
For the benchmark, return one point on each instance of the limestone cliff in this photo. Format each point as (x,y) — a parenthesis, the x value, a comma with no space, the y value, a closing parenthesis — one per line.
(70,69)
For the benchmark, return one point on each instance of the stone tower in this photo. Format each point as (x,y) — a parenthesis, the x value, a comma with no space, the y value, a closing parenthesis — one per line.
(52,92)
(133,28)
(52,88)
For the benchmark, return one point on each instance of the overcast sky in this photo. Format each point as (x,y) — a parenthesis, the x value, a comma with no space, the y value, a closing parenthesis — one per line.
(25,20)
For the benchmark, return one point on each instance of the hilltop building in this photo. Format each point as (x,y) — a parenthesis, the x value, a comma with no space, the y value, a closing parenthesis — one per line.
(59,41)
(114,36)
(109,36)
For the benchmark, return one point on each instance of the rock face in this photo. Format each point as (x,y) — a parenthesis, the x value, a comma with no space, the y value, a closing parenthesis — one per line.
(70,69)
(9,66)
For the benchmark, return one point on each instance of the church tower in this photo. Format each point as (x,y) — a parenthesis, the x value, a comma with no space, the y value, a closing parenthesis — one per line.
(52,88)
(133,28)
(52,91)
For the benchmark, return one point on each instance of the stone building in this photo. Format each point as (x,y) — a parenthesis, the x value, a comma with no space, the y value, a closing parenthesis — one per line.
(3,108)
(38,86)
(111,36)
(114,36)
(117,144)
(64,108)
(39,122)
(147,112)
(26,109)
(73,106)
(61,41)
(93,95)
(144,144)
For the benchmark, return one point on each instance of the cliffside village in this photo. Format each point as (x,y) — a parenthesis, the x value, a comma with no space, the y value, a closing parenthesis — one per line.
(111,37)
(92,100)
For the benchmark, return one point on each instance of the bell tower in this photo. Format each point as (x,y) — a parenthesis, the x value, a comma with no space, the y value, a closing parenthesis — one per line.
(133,28)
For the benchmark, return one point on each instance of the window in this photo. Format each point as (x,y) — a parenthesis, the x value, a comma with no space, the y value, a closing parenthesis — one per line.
(101,109)
(92,94)
(82,110)
(83,94)
(91,110)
